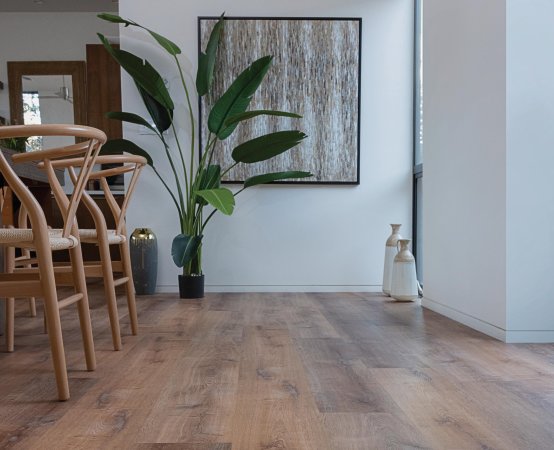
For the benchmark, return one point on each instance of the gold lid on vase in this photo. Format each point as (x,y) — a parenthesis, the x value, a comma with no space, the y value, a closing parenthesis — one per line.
(143,234)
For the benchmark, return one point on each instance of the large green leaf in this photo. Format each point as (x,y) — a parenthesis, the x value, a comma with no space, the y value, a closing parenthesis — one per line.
(267,146)
(184,249)
(275,176)
(168,45)
(210,178)
(117,146)
(220,198)
(206,61)
(261,112)
(114,18)
(237,98)
(131,118)
(142,72)
(161,116)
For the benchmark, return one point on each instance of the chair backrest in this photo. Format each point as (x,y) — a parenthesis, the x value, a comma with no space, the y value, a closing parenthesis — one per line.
(126,163)
(28,201)
(87,150)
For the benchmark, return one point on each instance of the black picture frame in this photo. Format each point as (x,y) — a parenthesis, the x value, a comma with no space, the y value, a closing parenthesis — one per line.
(334,92)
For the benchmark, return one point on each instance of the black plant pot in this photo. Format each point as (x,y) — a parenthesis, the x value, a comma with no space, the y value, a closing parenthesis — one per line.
(191,286)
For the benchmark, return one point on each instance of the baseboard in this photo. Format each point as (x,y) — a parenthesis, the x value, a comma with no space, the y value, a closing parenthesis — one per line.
(470,321)
(508,336)
(530,337)
(278,288)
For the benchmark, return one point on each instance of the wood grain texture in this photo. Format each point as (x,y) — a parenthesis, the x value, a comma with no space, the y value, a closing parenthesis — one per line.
(279,371)
(103,90)
(306,78)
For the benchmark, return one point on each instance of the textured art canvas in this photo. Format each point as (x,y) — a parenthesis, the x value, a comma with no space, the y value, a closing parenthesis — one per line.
(315,72)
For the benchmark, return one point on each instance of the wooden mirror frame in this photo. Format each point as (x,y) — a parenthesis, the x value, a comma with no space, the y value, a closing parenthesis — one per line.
(77,70)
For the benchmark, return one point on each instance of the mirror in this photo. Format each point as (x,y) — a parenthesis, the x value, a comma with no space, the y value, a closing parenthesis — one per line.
(47,92)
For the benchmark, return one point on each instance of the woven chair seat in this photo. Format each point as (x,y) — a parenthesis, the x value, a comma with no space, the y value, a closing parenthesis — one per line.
(90,236)
(24,238)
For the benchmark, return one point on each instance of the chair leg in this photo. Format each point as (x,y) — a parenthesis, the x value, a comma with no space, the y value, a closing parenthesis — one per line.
(52,314)
(10,302)
(32,302)
(80,284)
(109,291)
(129,286)
(9,326)
(32,307)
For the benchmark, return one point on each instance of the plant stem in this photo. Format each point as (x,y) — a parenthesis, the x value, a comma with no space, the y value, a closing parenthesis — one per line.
(191,115)
(207,220)
(177,182)
(172,196)
(228,169)
(190,198)
(182,158)
(206,151)
(212,150)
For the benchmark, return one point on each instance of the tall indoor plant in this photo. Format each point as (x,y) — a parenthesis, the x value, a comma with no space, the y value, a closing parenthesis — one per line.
(197,182)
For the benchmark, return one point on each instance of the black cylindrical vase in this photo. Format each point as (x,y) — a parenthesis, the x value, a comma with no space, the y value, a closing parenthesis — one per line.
(143,247)
(191,286)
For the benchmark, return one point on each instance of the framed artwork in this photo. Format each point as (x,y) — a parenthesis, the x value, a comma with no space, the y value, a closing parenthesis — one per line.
(316,73)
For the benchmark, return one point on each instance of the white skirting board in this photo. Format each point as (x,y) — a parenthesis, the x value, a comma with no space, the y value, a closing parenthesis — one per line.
(508,336)
(277,288)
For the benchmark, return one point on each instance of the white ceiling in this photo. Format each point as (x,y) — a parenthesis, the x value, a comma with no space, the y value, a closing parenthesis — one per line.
(58,5)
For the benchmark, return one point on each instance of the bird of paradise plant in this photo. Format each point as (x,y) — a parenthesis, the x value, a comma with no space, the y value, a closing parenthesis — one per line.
(197,183)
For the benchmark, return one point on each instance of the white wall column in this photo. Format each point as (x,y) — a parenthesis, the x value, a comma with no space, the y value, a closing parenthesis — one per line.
(464,213)
(488,158)
(530,171)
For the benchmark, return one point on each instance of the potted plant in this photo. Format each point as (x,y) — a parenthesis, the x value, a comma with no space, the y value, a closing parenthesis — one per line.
(196,182)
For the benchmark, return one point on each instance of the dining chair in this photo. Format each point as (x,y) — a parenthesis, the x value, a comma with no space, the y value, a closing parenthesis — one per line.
(43,281)
(103,237)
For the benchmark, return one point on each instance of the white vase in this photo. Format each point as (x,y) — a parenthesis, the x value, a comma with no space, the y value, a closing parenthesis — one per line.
(404,279)
(390,252)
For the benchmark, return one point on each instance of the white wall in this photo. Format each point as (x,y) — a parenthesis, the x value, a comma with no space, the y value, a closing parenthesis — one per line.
(464,189)
(295,237)
(530,170)
(489,165)
(46,37)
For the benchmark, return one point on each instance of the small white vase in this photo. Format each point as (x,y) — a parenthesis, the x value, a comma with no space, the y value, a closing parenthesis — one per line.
(404,279)
(390,252)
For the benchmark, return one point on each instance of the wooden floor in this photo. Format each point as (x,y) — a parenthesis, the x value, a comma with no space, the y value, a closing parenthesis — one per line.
(279,371)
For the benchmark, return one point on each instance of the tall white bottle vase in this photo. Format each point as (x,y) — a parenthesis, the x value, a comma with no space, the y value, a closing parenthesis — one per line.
(404,278)
(390,252)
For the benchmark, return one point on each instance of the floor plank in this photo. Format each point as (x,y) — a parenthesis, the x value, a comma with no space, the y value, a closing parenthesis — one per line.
(277,371)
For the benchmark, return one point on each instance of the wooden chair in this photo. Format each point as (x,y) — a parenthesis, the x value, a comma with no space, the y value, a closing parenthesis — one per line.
(43,281)
(10,259)
(104,237)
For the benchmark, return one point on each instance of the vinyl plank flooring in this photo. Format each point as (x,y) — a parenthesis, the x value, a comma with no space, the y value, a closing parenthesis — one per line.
(275,408)
(321,371)
(372,430)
